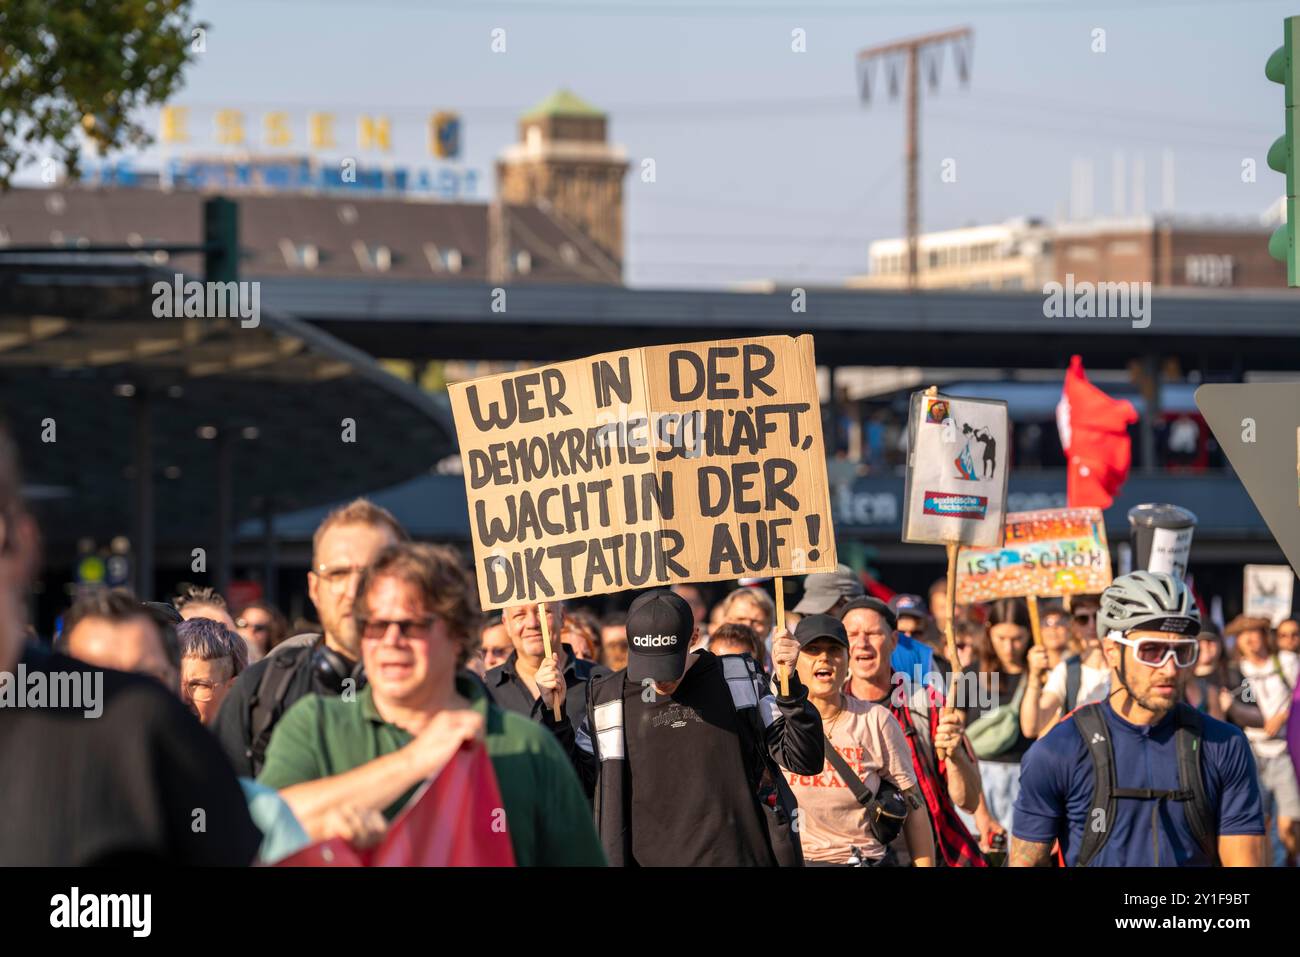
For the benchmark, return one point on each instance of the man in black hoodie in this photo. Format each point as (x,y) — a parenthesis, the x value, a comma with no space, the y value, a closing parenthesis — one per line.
(684,750)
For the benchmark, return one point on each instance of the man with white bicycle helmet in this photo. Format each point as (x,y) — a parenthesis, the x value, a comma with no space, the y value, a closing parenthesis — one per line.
(1141,779)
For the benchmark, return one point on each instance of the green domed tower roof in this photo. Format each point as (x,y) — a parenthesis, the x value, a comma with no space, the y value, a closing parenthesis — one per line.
(562,103)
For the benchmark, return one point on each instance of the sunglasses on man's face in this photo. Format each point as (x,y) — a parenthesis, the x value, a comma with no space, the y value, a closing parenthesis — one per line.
(1085,617)
(1154,652)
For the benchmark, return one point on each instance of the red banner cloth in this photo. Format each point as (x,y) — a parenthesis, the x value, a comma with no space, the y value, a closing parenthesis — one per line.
(456,820)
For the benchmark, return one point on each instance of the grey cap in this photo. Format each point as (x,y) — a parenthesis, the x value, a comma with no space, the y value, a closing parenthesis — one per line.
(822,590)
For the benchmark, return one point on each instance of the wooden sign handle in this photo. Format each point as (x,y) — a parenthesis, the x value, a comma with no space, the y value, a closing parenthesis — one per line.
(783,672)
(1034,633)
(954,663)
(546,648)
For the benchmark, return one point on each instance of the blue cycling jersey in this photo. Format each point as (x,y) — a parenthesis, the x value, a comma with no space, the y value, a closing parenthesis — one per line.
(1056,785)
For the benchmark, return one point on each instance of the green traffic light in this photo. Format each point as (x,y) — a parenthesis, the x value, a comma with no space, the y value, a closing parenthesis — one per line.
(1278,154)
(1279,244)
(1282,67)
(1275,69)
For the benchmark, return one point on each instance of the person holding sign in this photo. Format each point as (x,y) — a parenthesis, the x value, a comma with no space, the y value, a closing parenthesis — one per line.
(1054,634)
(1141,779)
(867,797)
(1078,680)
(531,684)
(942,765)
(684,749)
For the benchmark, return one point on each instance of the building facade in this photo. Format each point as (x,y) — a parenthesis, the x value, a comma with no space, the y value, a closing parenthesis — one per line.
(1007,256)
(1025,254)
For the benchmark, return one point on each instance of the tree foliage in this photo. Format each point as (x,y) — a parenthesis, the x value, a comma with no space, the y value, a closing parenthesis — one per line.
(78,70)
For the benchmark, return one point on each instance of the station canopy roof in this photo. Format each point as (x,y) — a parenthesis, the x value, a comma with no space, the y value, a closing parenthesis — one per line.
(80,348)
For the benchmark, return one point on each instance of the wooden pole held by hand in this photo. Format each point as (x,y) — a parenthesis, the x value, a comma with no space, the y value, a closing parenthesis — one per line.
(783,672)
(1033,620)
(954,663)
(546,649)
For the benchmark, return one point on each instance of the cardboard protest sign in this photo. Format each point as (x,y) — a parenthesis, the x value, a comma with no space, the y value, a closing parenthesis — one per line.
(647,467)
(956,470)
(1268,591)
(1055,551)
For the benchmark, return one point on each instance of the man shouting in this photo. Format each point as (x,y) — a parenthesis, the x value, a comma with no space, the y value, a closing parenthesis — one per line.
(684,750)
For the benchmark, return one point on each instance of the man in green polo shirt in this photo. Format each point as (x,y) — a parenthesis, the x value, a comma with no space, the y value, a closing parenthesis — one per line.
(414,612)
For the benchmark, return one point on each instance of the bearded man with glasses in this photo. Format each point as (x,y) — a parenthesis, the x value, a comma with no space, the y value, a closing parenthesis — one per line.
(325,664)
(1141,779)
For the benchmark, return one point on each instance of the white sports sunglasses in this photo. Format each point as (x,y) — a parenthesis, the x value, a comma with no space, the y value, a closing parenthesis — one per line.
(1154,652)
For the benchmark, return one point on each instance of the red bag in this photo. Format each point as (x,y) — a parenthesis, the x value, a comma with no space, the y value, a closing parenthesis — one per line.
(456,819)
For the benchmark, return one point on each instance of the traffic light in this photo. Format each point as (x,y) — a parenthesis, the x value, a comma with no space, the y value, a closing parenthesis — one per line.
(221,239)
(1284,68)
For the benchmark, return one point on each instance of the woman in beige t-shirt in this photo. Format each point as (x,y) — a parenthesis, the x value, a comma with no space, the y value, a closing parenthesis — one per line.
(832,824)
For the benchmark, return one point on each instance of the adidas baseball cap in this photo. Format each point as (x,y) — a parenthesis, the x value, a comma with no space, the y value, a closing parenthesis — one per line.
(659,628)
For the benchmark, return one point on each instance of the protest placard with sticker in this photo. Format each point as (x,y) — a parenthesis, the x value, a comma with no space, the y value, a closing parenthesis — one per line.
(1050,552)
(956,470)
(1268,590)
(643,468)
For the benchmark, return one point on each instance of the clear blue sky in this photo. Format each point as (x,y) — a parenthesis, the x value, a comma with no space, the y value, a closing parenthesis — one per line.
(767,165)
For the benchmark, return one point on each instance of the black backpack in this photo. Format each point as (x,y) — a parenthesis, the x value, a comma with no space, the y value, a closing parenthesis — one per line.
(269,701)
(1188,734)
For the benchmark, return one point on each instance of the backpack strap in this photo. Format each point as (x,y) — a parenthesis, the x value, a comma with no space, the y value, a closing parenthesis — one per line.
(265,706)
(1188,737)
(1091,725)
(1073,682)
(848,775)
(1277,669)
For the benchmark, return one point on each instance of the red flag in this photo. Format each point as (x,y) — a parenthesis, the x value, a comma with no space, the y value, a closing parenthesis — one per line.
(1094,435)
(456,820)
(876,589)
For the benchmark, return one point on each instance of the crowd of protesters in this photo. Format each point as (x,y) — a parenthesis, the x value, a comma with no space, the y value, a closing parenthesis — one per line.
(687,730)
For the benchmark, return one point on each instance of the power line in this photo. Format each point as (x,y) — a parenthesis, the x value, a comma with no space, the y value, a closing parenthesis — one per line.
(853,211)
(714,109)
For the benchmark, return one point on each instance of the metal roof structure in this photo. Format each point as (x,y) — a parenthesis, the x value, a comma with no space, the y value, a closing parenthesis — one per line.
(1217,333)
(222,422)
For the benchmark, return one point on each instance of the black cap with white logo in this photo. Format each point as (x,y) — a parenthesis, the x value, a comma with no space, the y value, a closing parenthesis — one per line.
(659,629)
